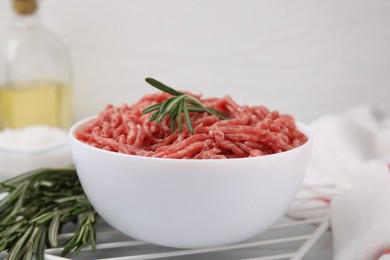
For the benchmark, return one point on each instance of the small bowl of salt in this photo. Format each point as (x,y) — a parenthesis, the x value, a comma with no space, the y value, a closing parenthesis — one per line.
(32,147)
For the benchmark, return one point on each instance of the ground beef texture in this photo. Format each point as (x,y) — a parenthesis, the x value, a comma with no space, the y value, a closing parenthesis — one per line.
(249,131)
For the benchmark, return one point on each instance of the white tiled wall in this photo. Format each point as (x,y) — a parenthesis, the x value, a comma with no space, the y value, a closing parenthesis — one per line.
(305,57)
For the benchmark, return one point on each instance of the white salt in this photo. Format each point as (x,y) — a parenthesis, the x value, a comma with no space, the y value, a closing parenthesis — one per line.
(32,139)
(32,147)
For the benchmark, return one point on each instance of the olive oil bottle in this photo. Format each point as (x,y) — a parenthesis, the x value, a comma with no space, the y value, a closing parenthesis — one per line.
(35,73)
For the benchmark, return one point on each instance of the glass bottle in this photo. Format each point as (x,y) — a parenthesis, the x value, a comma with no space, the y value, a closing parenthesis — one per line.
(36,73)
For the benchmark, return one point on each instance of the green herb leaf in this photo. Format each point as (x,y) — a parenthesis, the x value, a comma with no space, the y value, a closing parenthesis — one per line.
(175,106)
(152,108)
(188,119)
(34,208)
(157,84)
(53,229)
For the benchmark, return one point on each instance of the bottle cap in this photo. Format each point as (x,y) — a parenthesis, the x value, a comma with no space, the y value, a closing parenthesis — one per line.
(25,7)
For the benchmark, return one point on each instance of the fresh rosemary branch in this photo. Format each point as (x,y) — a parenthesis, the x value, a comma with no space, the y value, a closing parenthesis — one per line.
(36,206)
(175,106)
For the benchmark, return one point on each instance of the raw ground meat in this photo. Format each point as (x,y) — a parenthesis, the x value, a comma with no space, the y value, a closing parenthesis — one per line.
(248,131)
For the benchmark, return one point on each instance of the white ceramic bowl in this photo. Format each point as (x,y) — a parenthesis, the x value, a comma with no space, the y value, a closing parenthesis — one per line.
(189,203)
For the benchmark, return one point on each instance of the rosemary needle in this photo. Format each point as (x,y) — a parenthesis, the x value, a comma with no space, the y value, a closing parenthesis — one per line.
(175,106)
(37,205)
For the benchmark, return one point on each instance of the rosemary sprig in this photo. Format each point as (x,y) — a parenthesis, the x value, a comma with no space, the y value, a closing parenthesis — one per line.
(36,206)
(177,105)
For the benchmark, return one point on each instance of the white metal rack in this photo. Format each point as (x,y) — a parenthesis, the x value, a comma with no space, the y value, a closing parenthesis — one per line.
(289,238)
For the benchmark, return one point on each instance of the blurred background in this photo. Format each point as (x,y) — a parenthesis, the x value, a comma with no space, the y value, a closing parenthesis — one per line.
(303,57)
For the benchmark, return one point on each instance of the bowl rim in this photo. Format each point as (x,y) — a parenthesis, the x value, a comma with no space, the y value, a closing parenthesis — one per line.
(302,127)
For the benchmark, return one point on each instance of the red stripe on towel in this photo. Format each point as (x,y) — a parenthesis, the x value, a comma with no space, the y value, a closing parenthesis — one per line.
(324,199)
